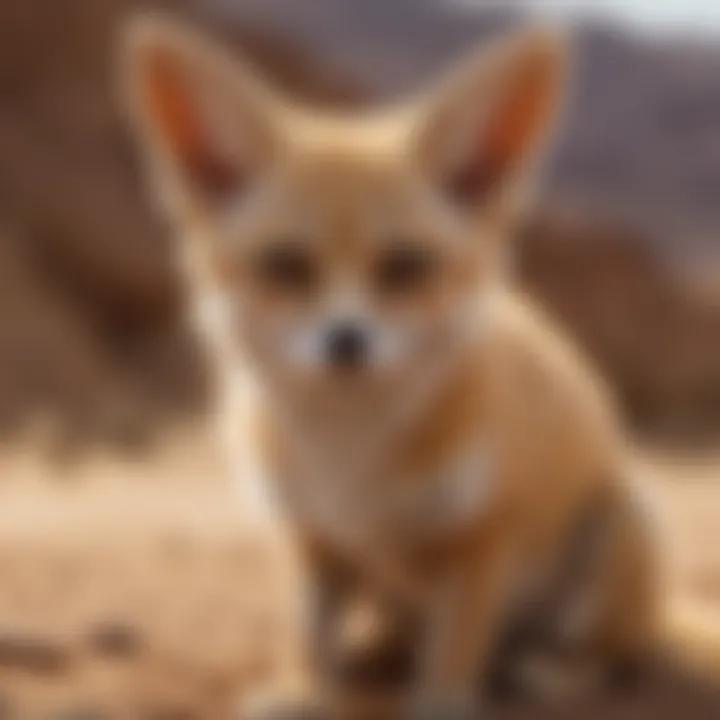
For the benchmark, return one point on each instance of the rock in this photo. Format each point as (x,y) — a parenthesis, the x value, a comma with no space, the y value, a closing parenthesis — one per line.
(644,328)
(34,652)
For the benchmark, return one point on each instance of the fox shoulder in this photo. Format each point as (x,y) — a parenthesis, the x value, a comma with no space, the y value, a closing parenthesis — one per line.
(546,388)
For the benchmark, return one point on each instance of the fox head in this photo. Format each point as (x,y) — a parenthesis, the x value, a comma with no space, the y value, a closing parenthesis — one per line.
(350,251)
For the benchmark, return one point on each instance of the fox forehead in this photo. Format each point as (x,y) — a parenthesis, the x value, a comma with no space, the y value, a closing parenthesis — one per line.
(362,152)
(345,178)
(361,135)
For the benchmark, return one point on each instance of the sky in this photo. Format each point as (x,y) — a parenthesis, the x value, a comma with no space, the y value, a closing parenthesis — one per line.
(660,15)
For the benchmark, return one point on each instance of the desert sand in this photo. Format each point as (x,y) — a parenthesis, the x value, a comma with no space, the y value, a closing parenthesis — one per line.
(132,588)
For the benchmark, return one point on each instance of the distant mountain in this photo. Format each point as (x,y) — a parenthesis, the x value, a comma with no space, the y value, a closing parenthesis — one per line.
(642,139)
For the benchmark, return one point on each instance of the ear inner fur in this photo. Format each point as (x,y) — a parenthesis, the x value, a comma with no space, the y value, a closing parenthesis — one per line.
(489,118)
(209,120)
(167,97)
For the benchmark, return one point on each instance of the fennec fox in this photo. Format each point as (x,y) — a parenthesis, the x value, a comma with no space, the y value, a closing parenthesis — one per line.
(421,424)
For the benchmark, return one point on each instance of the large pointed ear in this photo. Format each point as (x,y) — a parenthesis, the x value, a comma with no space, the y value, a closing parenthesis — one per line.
(491,115)
(204,117)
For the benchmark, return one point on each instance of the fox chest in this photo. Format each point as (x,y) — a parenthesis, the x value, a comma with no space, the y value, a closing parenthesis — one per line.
(385,507)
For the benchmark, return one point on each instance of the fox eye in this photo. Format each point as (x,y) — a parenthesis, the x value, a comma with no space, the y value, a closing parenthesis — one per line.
(286,266)
(406,266)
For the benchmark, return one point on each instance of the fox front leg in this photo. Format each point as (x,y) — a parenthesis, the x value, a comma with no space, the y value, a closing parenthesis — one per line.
(462,626)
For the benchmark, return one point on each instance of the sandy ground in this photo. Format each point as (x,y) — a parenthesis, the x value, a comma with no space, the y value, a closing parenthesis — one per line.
(131,589)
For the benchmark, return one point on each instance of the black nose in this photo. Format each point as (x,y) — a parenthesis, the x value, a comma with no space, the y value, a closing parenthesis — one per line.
(346,346)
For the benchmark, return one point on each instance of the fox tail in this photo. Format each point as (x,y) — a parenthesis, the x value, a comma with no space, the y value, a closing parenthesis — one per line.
(692,636)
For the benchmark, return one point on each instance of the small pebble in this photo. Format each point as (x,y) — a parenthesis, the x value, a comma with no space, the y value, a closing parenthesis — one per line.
(116,639)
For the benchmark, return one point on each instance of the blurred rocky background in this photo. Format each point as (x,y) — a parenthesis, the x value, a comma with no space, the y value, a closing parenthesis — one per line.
(624,245)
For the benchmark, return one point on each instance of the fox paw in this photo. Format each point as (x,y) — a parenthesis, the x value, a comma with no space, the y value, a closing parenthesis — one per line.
(287,712)
(443,708)
(281,708)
